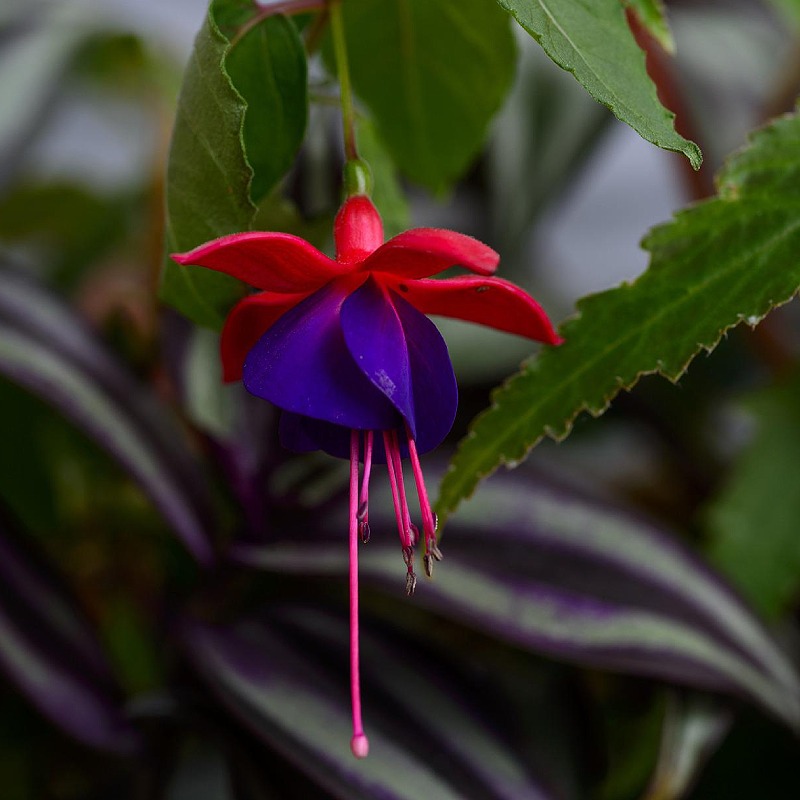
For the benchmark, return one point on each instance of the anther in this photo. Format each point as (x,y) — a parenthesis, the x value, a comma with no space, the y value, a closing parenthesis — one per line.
(408,556)
(363,530)
(413,532)
(428,562)
(434,550)
(411,583)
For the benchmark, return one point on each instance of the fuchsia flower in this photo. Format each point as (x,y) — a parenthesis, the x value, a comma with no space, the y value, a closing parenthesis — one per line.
(345,349)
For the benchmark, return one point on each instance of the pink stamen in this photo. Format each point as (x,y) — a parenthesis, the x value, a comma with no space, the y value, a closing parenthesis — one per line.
(428,518)
(388,445)
(401,489)
(408,532)
(363,500)
(359,744)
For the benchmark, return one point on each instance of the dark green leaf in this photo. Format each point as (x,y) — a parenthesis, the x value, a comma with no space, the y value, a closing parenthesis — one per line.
(241,117)
(753,523)
(594,43)
(433,73)
(729,259)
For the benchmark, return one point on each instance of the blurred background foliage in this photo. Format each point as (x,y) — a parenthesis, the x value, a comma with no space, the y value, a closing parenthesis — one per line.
(183,705)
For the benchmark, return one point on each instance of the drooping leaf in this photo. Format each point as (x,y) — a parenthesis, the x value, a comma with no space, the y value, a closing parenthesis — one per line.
(241,117)
(51,653)
(46,349)
(694,726)
(433,73)
(594,43)
(728,260)
(653,17)
(553,572)
(753,522)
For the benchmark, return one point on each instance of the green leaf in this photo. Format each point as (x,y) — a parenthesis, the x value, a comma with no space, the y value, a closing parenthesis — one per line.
(594,43)
(433,73)
(729,259)
(753,522)
(652,16)
(790,9)
(241,117)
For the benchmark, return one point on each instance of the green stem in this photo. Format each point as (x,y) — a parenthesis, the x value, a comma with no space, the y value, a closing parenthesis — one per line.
(348,110)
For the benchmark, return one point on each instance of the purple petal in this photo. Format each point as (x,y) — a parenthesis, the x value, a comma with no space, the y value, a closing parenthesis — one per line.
(404,356)
(302,364)
(376,340)
(303,435)
(433,381)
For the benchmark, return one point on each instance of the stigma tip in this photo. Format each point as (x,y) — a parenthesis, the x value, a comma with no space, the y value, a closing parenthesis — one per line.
(359,745)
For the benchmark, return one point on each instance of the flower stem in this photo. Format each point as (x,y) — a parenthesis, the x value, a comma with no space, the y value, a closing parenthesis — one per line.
(340,51)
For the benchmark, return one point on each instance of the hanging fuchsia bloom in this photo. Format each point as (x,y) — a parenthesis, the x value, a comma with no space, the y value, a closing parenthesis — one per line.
(345,349)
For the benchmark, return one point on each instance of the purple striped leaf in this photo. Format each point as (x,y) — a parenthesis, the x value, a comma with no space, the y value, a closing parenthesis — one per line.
(551,571)
(50,652)
(46,349)
(286,698)
(455,723)
(694,727)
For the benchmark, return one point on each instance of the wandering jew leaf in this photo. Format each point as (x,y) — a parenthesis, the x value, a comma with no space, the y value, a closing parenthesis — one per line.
(694,726)
(287,699)
(240,119)
(45,349)
(39,42)
(433,73)
(579,581)
(397,668)
(728,260)
(753,522)
(594,43)
(50,653)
